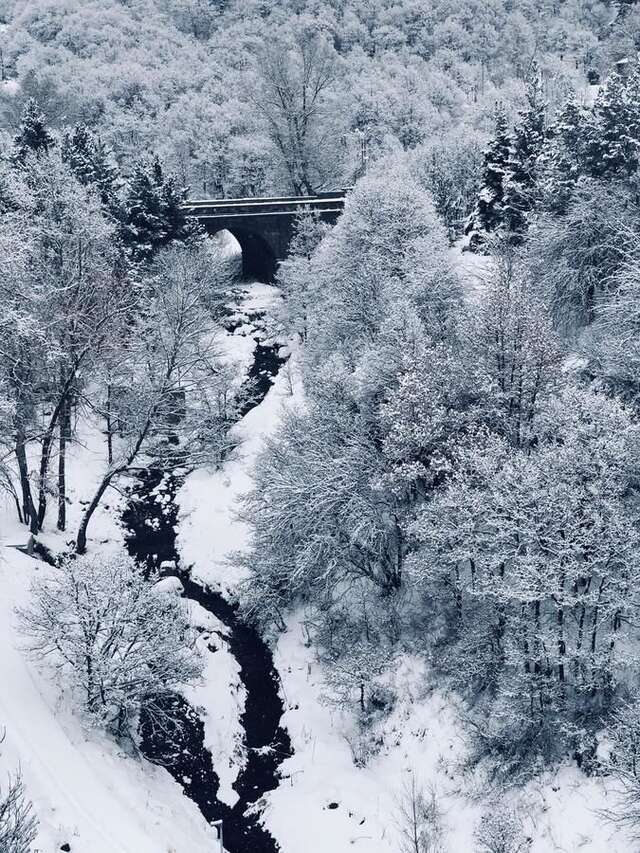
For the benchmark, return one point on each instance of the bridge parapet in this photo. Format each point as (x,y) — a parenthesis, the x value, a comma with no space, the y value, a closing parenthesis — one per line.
(325,203)
(263,226)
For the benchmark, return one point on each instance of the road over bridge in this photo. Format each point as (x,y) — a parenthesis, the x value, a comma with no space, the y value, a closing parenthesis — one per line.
(262,226)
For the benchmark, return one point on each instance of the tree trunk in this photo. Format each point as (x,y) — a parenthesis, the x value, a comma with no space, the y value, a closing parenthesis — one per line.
(81,539)
(109,427)
(561,644)
(47,443)
(65,434)
(28,508)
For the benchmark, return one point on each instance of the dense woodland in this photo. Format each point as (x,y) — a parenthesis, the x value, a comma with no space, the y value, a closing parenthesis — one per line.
(461,480)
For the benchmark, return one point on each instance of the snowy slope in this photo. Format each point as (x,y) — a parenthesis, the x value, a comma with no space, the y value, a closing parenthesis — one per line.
(86,792)
(91,795)
(424,738)
(325,804)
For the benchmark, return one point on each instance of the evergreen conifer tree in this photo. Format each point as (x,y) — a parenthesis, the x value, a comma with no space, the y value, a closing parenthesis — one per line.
(562,159)
(153,211)
(613,140)
(521,186)
(93,163)
(489,213)
(33,135)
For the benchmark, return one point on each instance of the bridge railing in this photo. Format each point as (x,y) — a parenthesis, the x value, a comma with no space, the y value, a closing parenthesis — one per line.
(290,199)
(285,206)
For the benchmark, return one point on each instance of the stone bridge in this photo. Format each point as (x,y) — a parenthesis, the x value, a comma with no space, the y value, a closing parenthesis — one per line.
(262,226)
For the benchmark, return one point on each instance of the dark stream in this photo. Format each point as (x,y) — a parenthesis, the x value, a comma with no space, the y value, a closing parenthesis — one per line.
(150,518)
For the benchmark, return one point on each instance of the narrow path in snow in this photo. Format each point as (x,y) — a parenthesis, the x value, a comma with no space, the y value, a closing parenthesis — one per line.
(150,517)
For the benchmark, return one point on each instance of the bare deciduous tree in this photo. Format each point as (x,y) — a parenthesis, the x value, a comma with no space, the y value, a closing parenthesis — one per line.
(116,639)
(18,824)
(292,88)
(420,823)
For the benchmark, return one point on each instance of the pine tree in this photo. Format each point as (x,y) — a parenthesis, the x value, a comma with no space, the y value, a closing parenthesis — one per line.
(153,211)
(76,151)
(521,185)
(489,213)
(612,145)
(33,135)
(601,143)
(174,220)
(93,164)
(561,161)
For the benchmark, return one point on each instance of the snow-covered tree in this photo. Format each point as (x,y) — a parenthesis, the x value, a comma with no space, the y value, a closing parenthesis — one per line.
(500,831)
(387,247)
(93,164)
(294,273)
(535,553)
(293,85)
(451,167)
(560,159)
(18,824)
(118,641)
(613,132)
(165,387)
(326,514)
(623,764)
(512,342)
(79,268)
(34,136)
(575,258)
(153,211)
(521,190)
(489,214)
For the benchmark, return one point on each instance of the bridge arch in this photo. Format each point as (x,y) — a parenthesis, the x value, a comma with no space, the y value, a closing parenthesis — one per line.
(259,256)
(262,226)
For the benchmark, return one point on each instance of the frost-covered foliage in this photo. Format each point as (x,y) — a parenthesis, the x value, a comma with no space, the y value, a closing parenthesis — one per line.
(108,633)
(213,87)
(325,516)
(622,763)
(540,549)
(559,164)
(111,298)
(449,482)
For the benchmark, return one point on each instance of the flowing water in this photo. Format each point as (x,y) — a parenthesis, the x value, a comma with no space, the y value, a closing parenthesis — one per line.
(150,518)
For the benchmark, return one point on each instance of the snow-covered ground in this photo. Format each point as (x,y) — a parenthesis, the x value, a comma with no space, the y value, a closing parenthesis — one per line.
(474,271)
(89,794)
(424,738)
(210,530)
(86,792)
(325,802)
(221,697)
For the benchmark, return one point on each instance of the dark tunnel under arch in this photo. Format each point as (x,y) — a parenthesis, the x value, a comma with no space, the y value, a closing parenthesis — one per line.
(259,260)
